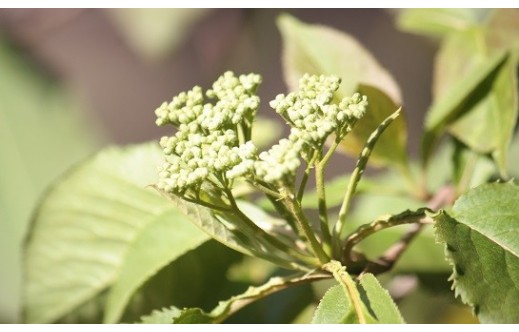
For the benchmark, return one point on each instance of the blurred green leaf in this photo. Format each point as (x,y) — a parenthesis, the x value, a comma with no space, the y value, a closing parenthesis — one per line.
(488,123)
(320,50)
(460,99)
(155,32)
(513,161)
(489,126)
(391,148)
(265,132)
(336,188)
(438,22)
(42,133)
(99,227)
(480,236)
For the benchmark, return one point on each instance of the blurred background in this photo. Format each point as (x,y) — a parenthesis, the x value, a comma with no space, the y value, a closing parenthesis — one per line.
(75,80)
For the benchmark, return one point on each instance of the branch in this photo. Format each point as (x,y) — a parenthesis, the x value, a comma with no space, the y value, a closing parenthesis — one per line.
(384,263)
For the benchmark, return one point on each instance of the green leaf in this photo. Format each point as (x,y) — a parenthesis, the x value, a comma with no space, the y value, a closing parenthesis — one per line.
(392,147)
(155,32)
(317,49)
(174,315)
(336,188)
(480,236)
(334,308)
(99,227)
(378,306)
(221,227)
(36,114)
(460,99)
(438,22)
(486,124)
(379,300)
(489,127)
(163,240)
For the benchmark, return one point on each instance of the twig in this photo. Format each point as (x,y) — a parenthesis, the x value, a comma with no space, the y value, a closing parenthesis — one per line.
(384,263)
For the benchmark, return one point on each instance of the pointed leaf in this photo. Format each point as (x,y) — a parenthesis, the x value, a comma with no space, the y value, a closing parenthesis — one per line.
(467,92)
(481,240)
(320,50)
(334,308)
(98,226)
(379,300)
(486,124)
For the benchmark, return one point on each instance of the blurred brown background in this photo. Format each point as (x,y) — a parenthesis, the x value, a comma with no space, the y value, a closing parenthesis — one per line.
(120,64)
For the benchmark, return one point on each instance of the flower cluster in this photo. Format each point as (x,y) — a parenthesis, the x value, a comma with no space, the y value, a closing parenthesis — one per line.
(214,139)
(207,141)
(313,117)
(312,113)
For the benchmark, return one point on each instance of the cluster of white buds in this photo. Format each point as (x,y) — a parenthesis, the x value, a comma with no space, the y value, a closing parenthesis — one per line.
(313,116)
(312,112)
(214,139)
(207,138)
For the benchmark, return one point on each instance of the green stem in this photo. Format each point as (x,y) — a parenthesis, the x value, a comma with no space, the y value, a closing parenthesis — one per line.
(324,161)
(267,190)
(304,226)
(355,178)
(262,234)
(275,284)
(323,210)
(344,279)
(364,231)
(304,180)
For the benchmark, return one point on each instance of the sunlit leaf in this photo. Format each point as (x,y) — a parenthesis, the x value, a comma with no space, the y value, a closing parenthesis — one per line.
(99,226)
(480,237)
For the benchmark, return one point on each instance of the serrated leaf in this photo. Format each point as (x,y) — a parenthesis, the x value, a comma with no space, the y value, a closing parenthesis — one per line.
(377,305)
(438,22)
(480,236)
(36,113)
(379,300)
(173,315)
(334,308)
(99,226)
(320,50)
